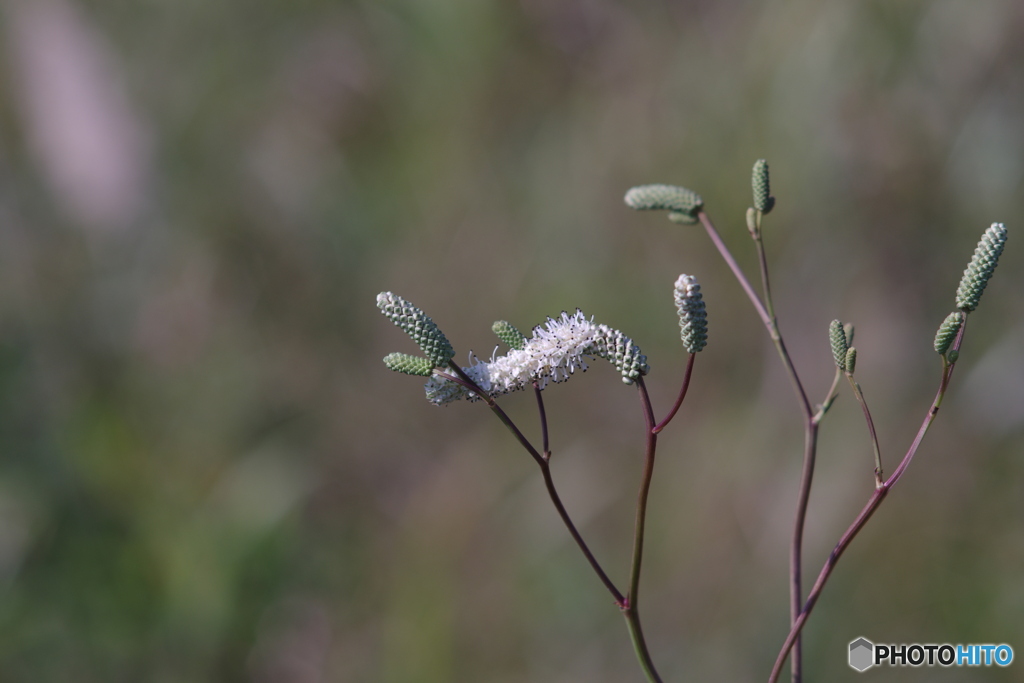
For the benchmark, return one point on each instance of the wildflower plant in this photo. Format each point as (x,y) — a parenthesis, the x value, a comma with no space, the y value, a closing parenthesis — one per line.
(561,346)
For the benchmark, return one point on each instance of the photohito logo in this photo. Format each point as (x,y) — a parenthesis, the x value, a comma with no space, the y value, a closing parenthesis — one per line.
(864,654)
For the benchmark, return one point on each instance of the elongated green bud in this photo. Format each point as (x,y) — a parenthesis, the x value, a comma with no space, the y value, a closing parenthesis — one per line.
(693,318)
(681,218)
(952,356)
(763,201)
(752,226)
(418,326)
(837,338)
(979,270)
(410,365)
(620,350)
(947,331)
(682,204)
(848,329)
(509,335)
(851,360)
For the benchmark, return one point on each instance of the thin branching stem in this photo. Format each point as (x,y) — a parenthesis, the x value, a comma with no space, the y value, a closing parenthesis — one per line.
(830,397)
(879,477)
(632,608)
(874,501)
(549,483)
(810,419)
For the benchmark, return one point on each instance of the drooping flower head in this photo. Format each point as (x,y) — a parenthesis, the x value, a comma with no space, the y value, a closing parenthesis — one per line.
(554,352)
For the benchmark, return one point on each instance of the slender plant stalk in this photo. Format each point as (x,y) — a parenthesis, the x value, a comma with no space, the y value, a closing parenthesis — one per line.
(632,608)
(682,394)
(874,501)
(545,469)
(810,419)
(543,422)
(871,430)
(830,397)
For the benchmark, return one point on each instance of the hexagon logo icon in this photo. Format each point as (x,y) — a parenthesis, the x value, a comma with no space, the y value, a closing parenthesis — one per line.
(862,654)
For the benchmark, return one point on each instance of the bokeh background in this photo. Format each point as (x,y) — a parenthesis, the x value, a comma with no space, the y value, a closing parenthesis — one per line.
(206,473)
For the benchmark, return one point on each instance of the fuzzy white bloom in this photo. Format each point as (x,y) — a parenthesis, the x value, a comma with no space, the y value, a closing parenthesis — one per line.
(555,351)
(441,390)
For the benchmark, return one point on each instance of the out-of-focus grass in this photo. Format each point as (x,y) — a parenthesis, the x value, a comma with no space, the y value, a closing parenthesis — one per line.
(206,474)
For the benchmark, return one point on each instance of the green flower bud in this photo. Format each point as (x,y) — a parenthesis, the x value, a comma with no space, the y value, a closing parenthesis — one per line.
(979,270)
(693,319)
(509,335)
(947,331)
(952,356)
(681,218)
(851,360)
(418,326)
(683,204)
(763,201)
(752,222)
(410,365)
(848,330)
(837,338)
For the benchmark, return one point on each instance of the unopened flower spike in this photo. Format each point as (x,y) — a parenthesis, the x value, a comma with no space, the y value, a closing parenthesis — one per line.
(763,201)
(509,335)
(410,365)
(418,326)
(979,270)
(693,318)
(947,331)
(682,204)
(614,346)
(837,338)
(851,360)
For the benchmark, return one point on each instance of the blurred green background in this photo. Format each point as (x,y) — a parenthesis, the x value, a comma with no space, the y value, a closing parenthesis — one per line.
(206,473)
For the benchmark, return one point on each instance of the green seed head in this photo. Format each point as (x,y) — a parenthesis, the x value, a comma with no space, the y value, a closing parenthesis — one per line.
(851,360)
(837,338)
(509,335)
(763,201)
(947,331)
(682,204)
(979,270)
(693,318)
(410,365)
(418,326)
